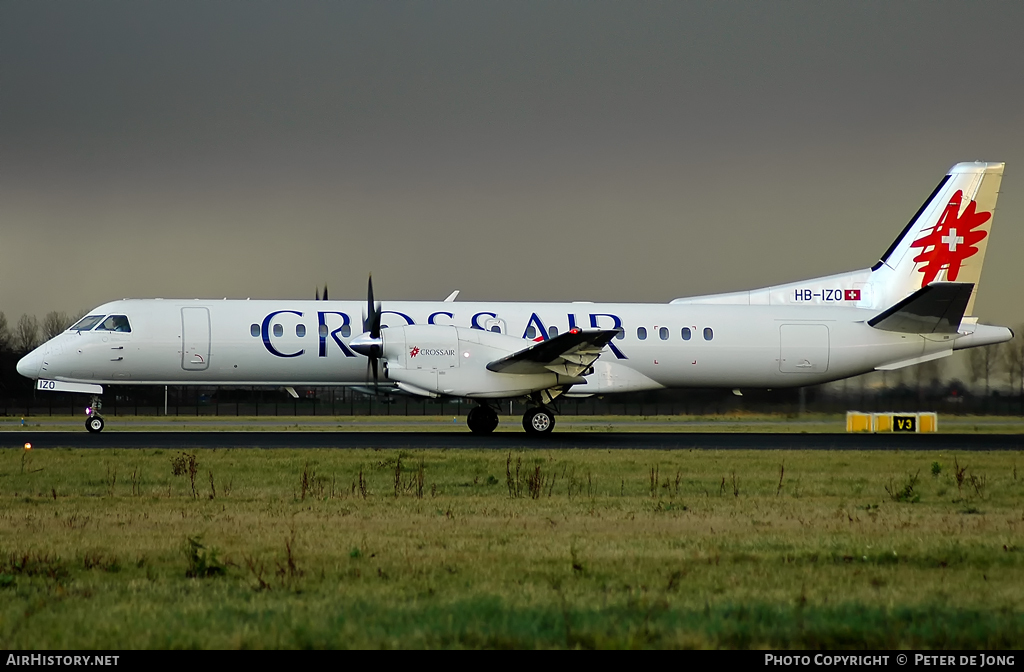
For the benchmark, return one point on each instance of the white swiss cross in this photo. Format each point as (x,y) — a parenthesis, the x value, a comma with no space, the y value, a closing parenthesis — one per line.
(952,240)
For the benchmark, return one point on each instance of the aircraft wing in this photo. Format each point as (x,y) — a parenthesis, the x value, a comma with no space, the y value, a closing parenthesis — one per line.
(569,354)
(936,308)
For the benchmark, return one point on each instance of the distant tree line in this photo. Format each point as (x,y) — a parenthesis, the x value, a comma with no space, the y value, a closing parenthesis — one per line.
(29,332)
(999,363)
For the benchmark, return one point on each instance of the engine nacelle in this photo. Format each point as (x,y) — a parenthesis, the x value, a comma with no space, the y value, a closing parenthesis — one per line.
(432,360)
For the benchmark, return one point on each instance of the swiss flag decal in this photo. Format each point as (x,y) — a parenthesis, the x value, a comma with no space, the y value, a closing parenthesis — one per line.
(851,295)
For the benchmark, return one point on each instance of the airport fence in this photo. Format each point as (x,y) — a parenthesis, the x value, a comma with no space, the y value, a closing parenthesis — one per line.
(335,401)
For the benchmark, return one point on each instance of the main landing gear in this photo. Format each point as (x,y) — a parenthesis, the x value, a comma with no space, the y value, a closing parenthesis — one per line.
(94,420)
(538,421)
(482,420)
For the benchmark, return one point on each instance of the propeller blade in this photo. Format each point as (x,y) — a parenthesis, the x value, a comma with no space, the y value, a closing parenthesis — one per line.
(369,295)
(371,365)
(375,325)
(369,343)
(368,315)
(325,291)
(371,322)
(317,293)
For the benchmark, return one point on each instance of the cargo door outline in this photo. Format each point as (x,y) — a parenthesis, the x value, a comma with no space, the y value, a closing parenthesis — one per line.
(803,348)
(442,366)
(195,338)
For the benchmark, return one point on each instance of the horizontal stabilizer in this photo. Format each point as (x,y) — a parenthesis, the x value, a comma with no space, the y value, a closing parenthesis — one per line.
(568,354)
(903,363)
(937,308)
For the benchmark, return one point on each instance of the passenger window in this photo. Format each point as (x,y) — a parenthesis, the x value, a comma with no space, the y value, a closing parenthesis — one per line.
(708,334)
(663,333)
(254,329)
(278,330)
(300,330)
(686,333)
(641,333)
(86,323)
(621,335)
(346,331)
(322,330)
(531,331)
(552,332)
(115,323)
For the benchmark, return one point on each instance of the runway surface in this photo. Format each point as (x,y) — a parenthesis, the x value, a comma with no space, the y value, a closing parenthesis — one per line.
(510,440)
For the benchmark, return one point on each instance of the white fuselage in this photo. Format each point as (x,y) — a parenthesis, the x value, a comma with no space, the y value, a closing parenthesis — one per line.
(800,333)
(232,342)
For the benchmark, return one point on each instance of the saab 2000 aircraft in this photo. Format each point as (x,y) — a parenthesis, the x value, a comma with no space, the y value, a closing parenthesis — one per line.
(913,306)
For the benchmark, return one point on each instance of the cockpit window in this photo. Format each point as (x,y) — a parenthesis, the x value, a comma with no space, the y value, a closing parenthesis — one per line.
(115,323)
(86,323)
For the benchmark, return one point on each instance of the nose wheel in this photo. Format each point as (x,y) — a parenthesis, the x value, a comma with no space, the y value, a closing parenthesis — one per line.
(482,420)
(538,421)
(94,420)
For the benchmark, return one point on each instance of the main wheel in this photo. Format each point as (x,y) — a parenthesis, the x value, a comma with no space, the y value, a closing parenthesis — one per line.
(482,420)
(94,424)
(538,421)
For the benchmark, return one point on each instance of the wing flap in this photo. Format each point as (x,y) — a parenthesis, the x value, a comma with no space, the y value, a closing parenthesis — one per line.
(568,354)
(936,308)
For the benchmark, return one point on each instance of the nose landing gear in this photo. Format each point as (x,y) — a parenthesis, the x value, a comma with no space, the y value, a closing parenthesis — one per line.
(94,419)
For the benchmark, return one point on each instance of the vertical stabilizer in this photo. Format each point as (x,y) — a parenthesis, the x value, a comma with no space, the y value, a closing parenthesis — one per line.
(945,241)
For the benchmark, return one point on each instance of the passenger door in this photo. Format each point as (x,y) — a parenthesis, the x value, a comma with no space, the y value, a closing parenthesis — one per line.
(195,338)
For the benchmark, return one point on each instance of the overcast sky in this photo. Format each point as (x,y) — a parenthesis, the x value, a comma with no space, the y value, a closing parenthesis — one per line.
(517,151)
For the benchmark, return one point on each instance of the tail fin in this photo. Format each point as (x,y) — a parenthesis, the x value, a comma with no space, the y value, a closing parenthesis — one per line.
(945,241)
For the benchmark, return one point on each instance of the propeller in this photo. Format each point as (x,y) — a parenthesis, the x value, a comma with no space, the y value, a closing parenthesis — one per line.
(369,343)
(371,318)
(318,293)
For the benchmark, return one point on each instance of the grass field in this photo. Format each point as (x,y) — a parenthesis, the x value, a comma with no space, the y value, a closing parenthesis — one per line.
(616,549)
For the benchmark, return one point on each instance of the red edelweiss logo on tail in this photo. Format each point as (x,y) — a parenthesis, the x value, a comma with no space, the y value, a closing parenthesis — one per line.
(415,351)
(951,240)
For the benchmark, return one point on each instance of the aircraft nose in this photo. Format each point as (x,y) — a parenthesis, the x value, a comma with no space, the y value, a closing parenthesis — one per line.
(28,365)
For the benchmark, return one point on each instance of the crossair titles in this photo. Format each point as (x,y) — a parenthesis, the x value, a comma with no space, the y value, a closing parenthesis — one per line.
(331,323)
